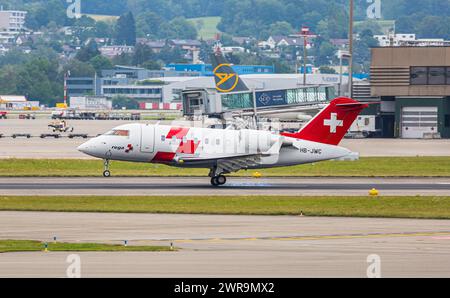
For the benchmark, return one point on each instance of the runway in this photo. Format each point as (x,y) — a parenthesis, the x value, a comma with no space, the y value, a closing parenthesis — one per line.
(231,246)
(235,186)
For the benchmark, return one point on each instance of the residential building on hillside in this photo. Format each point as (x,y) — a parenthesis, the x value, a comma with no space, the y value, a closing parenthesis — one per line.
(399,40)
(113,51)
(274,42)
(12,23)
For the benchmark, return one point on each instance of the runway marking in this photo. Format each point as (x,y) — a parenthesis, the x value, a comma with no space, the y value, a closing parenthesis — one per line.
(437,235)
(441,238)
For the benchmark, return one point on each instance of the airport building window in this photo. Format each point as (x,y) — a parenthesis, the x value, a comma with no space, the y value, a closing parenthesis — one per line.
(237,101)
(296,96)
(311,95)
(419,76)
(435,75)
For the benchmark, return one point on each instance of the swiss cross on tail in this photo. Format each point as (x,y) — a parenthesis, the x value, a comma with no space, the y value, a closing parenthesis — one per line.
(332,123)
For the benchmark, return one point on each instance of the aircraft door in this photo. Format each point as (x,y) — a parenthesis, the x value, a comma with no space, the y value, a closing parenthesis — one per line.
(148,138)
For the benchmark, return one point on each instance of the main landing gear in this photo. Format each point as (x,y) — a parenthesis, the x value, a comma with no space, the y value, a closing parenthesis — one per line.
(218,180)
(106,173)
(217,177)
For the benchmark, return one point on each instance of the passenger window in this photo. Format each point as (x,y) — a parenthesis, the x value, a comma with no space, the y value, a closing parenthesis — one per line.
(163,138)
(206,141)
(217,142)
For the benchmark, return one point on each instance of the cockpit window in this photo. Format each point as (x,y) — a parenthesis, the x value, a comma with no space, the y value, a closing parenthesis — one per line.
(120,133)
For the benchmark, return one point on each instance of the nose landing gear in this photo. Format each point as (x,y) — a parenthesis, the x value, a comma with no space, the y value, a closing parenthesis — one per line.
(106,173)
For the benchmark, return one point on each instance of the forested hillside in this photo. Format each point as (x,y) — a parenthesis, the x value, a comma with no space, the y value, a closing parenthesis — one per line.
(258,18)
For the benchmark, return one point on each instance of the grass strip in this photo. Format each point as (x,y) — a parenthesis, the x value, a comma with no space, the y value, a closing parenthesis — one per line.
(365,167)
(33,246)
(380,207)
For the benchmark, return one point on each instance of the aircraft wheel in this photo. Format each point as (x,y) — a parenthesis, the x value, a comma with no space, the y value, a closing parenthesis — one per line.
(221,180)
(214,181)
(106,174)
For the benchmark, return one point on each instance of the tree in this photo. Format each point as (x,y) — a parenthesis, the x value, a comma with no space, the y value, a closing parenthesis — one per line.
(126,30)
(9,75)
(104,30)
(281,28)
(39,79)
(180,28)
(78,68)
(325,53)
(149,25)
(100,62)
(142,54)
(123,59)
(88,52)
(151,65)
(362,50)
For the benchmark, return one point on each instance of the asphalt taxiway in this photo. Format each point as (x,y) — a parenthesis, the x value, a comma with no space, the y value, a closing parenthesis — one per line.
(235,186)
(231,246)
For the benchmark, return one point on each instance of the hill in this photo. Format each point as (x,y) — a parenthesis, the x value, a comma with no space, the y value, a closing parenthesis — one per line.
(206,26)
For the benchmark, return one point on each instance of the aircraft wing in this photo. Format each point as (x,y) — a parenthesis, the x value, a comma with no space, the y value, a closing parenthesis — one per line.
(231,164)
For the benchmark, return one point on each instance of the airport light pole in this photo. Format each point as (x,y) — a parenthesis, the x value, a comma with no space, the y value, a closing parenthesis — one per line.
(305,33)
(350,50)
(66,77)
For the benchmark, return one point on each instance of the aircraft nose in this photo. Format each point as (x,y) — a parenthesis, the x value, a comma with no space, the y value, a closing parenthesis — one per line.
(87,147)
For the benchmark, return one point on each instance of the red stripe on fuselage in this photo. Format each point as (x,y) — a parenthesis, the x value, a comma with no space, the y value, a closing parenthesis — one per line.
(188,148)
(178,132)
(164,157)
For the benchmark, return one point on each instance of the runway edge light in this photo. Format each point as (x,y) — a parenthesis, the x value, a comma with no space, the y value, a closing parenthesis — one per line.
(374,192)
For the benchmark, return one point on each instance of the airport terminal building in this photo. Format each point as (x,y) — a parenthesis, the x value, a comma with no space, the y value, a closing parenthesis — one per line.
(413,84)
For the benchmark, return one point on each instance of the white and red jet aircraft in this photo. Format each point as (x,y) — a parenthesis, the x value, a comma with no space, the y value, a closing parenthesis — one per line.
(226,151)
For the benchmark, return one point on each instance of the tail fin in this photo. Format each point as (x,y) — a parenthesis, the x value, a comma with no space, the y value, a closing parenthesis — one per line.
(227,80)
(332,123)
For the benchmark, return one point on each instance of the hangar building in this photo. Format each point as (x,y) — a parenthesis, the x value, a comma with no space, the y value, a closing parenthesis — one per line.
(414,86)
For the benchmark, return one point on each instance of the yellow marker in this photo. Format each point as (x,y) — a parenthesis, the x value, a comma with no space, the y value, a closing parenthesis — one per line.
(374,192)
(257,175)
